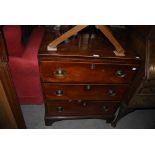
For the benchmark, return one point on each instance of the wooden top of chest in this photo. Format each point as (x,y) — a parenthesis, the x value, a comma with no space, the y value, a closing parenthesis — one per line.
(84,45)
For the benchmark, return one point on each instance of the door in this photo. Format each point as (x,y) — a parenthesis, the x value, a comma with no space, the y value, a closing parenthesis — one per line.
(10,111)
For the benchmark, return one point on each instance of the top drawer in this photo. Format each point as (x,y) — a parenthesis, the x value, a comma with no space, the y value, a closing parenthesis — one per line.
(55,71)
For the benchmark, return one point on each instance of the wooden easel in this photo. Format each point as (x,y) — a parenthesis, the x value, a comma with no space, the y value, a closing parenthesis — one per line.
(104,29)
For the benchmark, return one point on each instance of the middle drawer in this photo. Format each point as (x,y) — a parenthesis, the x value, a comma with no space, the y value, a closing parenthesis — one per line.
(83,91)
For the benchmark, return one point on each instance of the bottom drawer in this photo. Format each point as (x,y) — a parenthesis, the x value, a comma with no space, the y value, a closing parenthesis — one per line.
(80,108)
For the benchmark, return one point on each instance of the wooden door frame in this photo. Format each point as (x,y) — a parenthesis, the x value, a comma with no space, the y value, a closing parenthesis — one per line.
(12,115)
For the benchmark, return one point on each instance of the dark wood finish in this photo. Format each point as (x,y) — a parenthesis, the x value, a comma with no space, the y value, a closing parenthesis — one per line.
(49,120)
(87,91)
(10,112)
(82,47)
(104,29)
(142,94)
(81,108)
(57,110)
(85,72)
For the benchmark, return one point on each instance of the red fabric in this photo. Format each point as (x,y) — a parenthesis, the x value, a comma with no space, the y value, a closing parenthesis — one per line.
(24,68)
(13,36)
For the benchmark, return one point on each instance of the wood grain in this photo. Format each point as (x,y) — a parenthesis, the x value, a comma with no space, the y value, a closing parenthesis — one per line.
(85,73)
(7,119)
(10,111)
(78,78)
(75,108)
(80,92)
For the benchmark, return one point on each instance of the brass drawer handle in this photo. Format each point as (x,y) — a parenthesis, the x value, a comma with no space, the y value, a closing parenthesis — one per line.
(59,92)
(105,108)
(88,87)
(120,73)
(84,104)
(112,92)
(92,66)
(60,109)
(59,72)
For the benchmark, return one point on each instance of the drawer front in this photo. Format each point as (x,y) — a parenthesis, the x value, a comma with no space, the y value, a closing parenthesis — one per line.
(75,108)
(86,72)
(83,91)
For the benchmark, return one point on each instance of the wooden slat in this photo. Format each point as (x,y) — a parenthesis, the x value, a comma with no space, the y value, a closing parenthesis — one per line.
(66,35)
(105,30)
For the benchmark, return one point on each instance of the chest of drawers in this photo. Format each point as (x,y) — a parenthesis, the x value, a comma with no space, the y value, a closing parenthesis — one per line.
(84,79)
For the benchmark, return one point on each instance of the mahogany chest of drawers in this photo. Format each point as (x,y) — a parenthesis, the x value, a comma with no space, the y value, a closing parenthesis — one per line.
(84,79)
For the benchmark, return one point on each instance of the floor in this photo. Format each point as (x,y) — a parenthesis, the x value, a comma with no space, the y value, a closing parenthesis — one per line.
(140,119)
